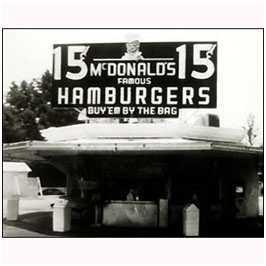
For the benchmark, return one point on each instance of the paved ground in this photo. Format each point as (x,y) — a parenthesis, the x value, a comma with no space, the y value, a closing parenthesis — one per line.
(13,231)
(35,220)
(40,204)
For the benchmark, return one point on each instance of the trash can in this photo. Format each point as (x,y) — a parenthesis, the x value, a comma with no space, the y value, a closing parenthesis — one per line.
(191,220)
(61,216)
(12,208)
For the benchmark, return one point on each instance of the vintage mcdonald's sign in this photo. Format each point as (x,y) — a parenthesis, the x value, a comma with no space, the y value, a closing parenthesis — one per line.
(135,79)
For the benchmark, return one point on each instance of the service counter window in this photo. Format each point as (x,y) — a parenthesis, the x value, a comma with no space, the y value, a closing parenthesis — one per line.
(134,178)
(134,189)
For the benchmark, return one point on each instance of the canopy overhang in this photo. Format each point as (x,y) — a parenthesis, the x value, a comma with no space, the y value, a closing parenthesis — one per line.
(41,150)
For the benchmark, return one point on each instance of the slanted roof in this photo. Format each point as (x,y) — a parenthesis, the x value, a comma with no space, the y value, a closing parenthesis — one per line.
(141,131)
(89,139)
(41,150)
(15,167)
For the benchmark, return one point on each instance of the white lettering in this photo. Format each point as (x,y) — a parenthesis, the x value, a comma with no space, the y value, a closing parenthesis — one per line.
(121,71)
(95,71)
(156,99)
(131,110)
(171,99)
(94,95)
(74,62)
(205,61)
(62,96)
(122,95)
(111,70)
(110,93)
(188,94)
(203,95)
(172,68)
(77,97)
(142,69)
(141,94)
(160,69)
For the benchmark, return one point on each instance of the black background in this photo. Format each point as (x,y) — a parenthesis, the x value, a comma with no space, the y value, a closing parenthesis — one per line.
(149,50)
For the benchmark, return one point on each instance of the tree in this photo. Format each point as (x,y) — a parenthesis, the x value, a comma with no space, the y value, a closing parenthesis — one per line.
(251,131)
(12,127)
(28,109)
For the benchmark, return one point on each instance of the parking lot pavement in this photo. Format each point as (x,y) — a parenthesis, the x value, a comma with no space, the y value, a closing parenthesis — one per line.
(28,205)
(13,231)
(35,218)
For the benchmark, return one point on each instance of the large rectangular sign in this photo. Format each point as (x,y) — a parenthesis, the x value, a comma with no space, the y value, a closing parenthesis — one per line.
(156,80)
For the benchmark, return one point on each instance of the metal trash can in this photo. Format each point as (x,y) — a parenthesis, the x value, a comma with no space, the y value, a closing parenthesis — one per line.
(61,216)
(191,220)
(12,208)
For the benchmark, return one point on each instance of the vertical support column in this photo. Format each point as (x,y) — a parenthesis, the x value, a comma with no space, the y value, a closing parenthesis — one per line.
(99,201)
(164,203)
(216,195)
(169,188)
(98,214)
(72,181)
(163,213)
(12,208)
(69,183)
(68,167)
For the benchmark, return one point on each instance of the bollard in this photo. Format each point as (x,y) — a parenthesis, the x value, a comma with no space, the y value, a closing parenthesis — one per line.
(12,208)
(191,220)
(61,216)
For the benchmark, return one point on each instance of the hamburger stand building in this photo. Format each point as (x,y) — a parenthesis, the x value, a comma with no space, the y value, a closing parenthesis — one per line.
(126,170)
